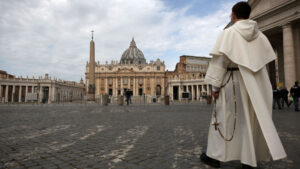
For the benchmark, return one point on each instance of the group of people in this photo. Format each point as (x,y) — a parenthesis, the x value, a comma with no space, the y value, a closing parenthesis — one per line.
(282,96)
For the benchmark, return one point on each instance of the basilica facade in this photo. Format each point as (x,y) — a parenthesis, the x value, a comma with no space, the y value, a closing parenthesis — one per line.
(132,73)
(146,80)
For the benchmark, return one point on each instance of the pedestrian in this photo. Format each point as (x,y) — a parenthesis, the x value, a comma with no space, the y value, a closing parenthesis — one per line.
(276,97)
(131,93)
(128,96)
(295,93)
(284,97)
(241,125)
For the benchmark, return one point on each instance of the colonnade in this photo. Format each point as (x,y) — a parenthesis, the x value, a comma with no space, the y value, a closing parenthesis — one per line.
(196,91)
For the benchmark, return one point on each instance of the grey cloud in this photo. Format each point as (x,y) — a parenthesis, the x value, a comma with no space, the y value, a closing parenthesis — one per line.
(52,36)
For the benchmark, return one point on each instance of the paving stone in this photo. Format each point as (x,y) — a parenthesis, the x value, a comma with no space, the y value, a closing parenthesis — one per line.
(135,136)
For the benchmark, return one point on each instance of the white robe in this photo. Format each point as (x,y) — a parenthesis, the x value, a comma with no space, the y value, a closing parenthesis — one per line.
(255,138)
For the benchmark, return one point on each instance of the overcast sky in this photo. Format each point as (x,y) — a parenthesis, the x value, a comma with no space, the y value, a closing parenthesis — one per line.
(52,36)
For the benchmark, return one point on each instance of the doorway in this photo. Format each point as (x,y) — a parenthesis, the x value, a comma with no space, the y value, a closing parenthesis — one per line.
(175,92)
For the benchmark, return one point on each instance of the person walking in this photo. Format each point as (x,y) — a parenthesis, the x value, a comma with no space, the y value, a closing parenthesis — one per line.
(276,97)
(128,96)
(131,93)
(284,93)
(295,93)
(241,125)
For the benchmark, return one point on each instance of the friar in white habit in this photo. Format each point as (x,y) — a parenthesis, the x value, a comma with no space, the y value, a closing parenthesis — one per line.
(241,127)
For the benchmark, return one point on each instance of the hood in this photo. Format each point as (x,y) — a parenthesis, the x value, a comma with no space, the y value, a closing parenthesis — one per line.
(248,29)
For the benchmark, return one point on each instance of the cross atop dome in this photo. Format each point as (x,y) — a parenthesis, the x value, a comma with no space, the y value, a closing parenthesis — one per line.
(132,43)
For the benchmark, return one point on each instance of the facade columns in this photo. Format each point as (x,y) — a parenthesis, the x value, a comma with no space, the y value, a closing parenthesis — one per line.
(134,87)
(164,86)
(128,83)
(170,92)
(122,90)
(152,88)
(144,85)
(106,85)
(115,83)
(289,56)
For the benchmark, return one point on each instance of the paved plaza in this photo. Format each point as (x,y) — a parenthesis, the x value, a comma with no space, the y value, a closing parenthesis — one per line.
(121,137)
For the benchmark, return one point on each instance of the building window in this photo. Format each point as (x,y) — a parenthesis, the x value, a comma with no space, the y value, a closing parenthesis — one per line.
(158,67)
(110,81)
(110,92)
(125,80)
(140,81)
(158,90)
(158,80)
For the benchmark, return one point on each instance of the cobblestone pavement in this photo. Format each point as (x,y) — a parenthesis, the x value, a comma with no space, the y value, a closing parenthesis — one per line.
(136,136)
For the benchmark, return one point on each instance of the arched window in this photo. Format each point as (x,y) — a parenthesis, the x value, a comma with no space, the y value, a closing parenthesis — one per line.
(158,90)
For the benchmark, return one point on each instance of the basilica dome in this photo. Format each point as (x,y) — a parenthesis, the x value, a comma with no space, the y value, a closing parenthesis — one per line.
(133,55)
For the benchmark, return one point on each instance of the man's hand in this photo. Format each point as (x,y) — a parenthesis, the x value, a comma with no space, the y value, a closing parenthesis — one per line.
(215,95)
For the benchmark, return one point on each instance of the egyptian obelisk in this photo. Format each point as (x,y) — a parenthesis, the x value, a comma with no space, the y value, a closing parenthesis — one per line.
(91,87)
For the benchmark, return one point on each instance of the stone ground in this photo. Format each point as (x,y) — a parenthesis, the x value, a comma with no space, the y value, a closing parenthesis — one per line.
(136,136)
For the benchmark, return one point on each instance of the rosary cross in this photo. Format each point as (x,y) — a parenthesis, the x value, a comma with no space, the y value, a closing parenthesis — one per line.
(216,125)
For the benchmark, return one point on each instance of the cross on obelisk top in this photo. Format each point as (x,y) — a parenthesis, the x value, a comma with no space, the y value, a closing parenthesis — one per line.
(92,34)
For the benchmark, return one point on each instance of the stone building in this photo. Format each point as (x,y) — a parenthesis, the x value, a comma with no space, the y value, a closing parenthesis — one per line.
(21,90)
(279,20)
(132,72)
(188,78)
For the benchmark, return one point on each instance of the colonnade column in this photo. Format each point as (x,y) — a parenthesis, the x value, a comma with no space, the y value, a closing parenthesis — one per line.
(26,92)
(1,94)
(192,90)
(0,90)
(207,89)
(20,92)
(40,94)
(6,93)
(13,93)
(179,92)
(289,56)
(198,93)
